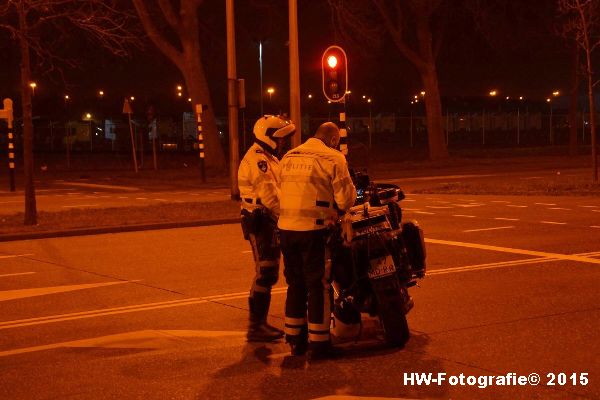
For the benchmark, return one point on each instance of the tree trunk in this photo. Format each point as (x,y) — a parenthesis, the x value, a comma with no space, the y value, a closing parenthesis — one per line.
(592,115)
(433,108)
(573,105)
(30,205)
(195,80)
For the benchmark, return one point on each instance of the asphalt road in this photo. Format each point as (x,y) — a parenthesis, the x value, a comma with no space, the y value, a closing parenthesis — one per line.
(64,194)
(512,287)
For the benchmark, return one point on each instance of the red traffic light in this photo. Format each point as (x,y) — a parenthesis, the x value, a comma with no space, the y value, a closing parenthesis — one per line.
(335,73)
(332,61)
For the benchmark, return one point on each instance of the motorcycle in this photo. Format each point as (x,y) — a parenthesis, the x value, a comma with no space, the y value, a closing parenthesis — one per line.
(375,259)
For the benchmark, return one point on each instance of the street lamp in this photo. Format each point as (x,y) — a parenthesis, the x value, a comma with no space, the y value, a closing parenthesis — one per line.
(179,88)
(101,93)
(88,117)
(32,85)
(132,98)
(270,91)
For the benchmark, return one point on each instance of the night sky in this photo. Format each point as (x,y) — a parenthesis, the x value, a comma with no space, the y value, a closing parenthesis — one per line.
(526,59)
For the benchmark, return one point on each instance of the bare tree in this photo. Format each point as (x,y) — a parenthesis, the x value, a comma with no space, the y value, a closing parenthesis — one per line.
(34,25)
(582,23)
(416,28)
(174,28)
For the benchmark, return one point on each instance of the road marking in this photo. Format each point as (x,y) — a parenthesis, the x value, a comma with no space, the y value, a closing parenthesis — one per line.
(588,206)
(516,206)
(42,291)
(247,251)
(465,216)
(514,251)
(423,212)
(81,205)
(95,185)
(489,229)
(545,204)
(16,255)
(17,273)
(507,219)
(595,210)
(553,223)
(11,201)
(500,201)
(123,197)
(409,200)
(531,177)
(468,205)
(440,207)
(128,309)
(504,264)
(594,226)
(146,339)
(141,198)
(559,208)
(160,200)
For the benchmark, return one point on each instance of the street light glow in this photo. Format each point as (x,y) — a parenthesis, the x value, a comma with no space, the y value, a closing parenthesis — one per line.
(101,93)
(33,85)
(179,94)
(132,98)
(270,90)
(555,93)
(66,97)
(369,100)
(422,93)
(88,116)
(310,96)
(493,92)
(179,88)
(548,100)
(189,99)
(520,97)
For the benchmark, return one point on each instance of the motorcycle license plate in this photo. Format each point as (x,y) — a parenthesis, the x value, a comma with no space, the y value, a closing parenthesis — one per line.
(381,267)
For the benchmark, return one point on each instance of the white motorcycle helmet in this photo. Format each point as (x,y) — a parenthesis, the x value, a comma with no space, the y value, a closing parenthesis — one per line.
(270,128)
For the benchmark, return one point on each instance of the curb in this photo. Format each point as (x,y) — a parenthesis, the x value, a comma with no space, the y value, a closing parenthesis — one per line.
(115,229)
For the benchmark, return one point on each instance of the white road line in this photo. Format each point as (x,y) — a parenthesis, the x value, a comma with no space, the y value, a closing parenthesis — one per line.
(160,200)
(11,201)
(17,273)
(516,206)
(507,219)
(423,212)
(545,204)
(15,255)
(409,200)
(98,186)
(595,210)
(127,309)
(6,295)
(123,197)
(465,216)
(141,198)
(81,205)
(594,226)
(438,207)
(500,201)
(247,251)
(588,206)
(559,208)
(488,229)
(514,251)
(553,223)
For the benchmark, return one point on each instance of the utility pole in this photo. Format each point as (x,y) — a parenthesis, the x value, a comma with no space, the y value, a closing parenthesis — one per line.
(232,102)
(294,73)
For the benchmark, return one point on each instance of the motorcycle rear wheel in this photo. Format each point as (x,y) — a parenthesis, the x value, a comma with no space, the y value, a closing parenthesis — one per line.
(395,325)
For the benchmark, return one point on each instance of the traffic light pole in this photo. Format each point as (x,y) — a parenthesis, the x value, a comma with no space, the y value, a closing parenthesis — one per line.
(7,114)
(295,112)
(200,141)
(343,131)
(232,102)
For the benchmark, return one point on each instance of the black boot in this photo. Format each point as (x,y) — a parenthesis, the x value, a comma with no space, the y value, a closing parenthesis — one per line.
(298,344)
(260,331)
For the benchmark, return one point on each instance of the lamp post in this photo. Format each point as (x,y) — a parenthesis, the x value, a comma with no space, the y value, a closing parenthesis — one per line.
(32,85)
(88,118)
(369,101)
(270,91)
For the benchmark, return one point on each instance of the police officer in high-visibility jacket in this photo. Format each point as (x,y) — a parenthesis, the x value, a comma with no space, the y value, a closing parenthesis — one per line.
(315,186)
(259,192)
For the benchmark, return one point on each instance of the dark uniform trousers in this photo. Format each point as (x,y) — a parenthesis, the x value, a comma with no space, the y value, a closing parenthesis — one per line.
(265,249)
(304,258)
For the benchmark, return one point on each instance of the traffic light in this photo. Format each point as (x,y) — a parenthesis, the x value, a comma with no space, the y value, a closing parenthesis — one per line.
(335,73)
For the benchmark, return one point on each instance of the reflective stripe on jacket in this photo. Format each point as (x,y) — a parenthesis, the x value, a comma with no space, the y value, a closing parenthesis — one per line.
(315,184)
(257,180)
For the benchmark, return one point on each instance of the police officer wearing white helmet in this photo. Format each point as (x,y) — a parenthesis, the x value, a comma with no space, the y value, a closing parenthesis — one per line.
(259,192)
(315,186)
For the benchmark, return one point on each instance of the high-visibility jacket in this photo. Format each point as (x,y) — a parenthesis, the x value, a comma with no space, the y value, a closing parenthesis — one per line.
(257,180)
(315,184)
